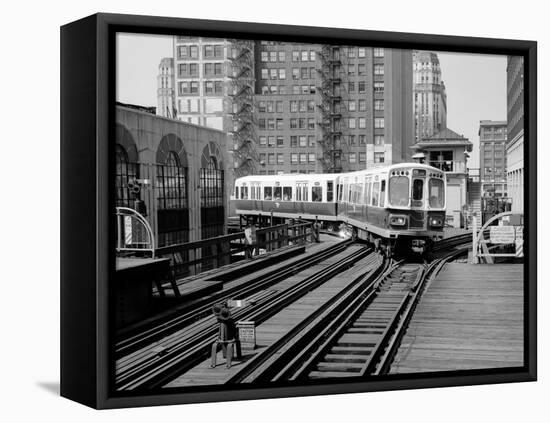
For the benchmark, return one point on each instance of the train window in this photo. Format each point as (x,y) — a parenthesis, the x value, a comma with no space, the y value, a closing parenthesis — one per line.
(340,192)
(330,193)
(244,193)
(258,192)
(369,189)
(298,192)
(317,194)
(287,193)
(277,193)
(305,193)
(399,191)
(268,193)
(418,189)
(382,193)
(375,188)
(437,193)
(252,193)
(237,193)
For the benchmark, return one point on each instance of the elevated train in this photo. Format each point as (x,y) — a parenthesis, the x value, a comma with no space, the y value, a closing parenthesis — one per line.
(401,205)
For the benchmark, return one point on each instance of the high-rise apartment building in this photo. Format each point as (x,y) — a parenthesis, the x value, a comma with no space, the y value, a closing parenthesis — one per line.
(298,108)
(514,143)
(492,158)
(430,97)
(166,105)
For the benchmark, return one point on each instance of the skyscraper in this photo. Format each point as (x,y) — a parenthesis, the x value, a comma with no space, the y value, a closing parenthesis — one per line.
(166,105)
(514,143)
(298,108)
(492,160)
(430,97)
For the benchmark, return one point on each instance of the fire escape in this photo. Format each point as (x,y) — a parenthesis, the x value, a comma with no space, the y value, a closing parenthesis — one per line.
(331,105)
(242,85)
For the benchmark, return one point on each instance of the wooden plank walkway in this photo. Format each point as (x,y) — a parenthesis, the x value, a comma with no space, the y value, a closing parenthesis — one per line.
(470,317)
(279,324)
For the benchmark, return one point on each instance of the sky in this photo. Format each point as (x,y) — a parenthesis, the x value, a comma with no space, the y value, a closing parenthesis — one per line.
(475,83)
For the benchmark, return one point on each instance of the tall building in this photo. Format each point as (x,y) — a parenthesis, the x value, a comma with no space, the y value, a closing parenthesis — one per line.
(166,105)
(514,143)
(492,160)
(298,108)
(430,97)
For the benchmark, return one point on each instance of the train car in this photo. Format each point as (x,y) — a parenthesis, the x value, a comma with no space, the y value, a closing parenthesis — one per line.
(398,205)
(290,196)
(401,205)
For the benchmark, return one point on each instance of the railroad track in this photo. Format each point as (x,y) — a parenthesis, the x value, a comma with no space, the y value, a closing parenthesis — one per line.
(359,337)
(202,307)
(154,366)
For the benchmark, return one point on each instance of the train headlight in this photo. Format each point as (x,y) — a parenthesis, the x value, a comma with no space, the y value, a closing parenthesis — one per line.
(398,220)
(436,221)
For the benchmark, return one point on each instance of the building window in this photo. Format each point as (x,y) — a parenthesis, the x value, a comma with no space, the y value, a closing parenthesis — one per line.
(294,106)
(264,56)
(311,123)
(280,158)
(311,106)
(361,52)
(352,158)
(271,141)
(282,56)
(273,73)
(351,52)
(261,123)
(295,56)
(265,74)
(351,123)
(379,140)
(302,106)
(362,105)
(295,73)
(263,141)
(293,123)
(362,123)
(378,104)
(378,157)
(311,157)
(183,52)
(378,52)
(279,123)
(351,139)
(351,87)
(311,141)
(312,55)
(294,158)
(282,73)
(379,123)
(362,157)
(279,106)
(303,158)
(362,140)
(271,158)
(303,141)
(293,141)
(302,123)
(379,69)
(362,86)
(194,52)
(280,141)
(305,56)
(351,105)
(171,184)
(351,70)
(125,172)
(273,56)
(378,87)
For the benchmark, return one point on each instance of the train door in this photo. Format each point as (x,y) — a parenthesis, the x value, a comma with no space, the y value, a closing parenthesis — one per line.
(418,188)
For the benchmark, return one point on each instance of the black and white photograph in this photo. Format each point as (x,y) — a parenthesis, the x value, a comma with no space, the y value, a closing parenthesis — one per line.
(295,214)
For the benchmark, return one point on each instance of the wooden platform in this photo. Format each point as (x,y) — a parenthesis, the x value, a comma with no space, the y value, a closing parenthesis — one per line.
(470,317)
(279,324)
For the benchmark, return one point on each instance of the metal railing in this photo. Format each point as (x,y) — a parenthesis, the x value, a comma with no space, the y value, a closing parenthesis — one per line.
(134,234)
(195,257)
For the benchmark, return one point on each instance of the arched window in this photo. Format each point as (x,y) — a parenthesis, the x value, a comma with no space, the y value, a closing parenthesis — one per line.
(125,172)
(211,181)
(171,183)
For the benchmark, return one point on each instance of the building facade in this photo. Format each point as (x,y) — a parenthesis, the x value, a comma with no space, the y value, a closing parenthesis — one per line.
(514,144)
(492,158)
(430,97)
(181,169)
(448,151)
(298,108)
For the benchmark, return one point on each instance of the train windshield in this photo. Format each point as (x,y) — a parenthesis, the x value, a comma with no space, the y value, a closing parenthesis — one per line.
(399,191)
(418,189)
(437,193)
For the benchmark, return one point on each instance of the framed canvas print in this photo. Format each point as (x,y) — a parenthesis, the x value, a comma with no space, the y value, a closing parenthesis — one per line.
(258,211)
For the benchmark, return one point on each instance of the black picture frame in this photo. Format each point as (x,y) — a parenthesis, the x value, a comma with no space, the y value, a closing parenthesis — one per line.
(87,116)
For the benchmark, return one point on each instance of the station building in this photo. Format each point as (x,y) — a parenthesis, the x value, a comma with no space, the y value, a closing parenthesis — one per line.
(448,151)
(180,168)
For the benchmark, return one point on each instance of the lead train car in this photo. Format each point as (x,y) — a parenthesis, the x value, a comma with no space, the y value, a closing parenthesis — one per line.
(399,205)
